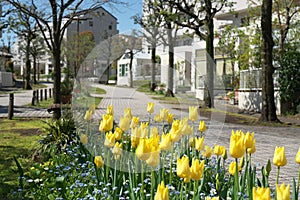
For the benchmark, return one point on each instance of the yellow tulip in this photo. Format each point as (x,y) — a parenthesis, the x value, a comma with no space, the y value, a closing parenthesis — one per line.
(109,139)
(165,143)
(92,108)
(110,110)
(118,133)
(207,152)
(144,129)
(134,122)
(297,158)
(143,149)
(88,115)
(150,107)
(157,118)
(175,131)
(219,150)
(117,150)
(124,123)
(106,123)
(163,114)
(170,118)
(153,159)
(197,169)
(283,192)
(252,149)
(237,147)
(202,127)
(84,139)
(98,161)
(127,113)
(248,140)
(199,143)
(185,128)
(232,168)
(279,158)
(162,192)
(135,136)
(261,193)
(193,113)
(183,168)
(154,134)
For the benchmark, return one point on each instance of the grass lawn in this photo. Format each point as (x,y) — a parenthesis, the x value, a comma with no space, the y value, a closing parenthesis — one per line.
(19,138)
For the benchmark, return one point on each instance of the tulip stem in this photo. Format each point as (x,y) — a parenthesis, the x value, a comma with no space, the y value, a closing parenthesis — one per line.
(171,165)
(298,184)
(277,176)
(152,182)
(236,180)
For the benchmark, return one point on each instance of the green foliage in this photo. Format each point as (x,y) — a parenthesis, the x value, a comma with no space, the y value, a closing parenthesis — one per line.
(289,79)
(60,133)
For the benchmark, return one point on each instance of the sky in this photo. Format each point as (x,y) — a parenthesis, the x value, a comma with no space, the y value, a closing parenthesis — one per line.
(124,14)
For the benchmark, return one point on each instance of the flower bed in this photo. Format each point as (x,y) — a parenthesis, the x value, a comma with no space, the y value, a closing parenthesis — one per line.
(162,158)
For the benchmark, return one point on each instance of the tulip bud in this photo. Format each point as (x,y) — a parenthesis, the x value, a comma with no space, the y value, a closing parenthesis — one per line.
(193,113)
(110,110)
(84,139)
(297,158)
(202,126)
(98,161)
(150,107)
(279,158)
(124,123)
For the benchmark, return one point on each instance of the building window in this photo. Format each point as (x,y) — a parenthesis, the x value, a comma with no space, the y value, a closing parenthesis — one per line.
(123,69)
(91,23)
(149,49)
(110,27)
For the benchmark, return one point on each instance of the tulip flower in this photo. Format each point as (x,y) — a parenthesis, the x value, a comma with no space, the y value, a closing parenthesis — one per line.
(283,192)
(106,123)
(135,136)
(202,127)
(207,152)
(143,149)
(199,143)
(185,128)
(163,114)
(165,143)
(279,158)
(157,118)
(144,129)
(127,113)
(212,198)
(134,122)
(84,139)
(109,139)
(98,161)
(162,192)
(110,110)
(150,107)
(170,118)
(219,150)
(193,113)
(88,115)
(248,140)
(117,150)
(237,147)
(297,158)
(252,149)
(124,123)
(118,133)
(261,193)
(232,168)
(197,169)
(175,131)
(183,168)
(153,159)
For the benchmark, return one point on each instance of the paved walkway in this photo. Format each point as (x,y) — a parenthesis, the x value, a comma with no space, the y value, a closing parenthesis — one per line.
(267,138)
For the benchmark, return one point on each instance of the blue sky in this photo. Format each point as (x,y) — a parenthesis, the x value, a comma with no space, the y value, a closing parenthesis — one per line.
(124,14)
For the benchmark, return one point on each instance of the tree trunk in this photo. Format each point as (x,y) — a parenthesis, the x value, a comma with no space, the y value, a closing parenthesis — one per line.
(56,83)
(34,70)
(268,112)
(169,92)
(153,63)
(27,71)
(130,68)
(210,63)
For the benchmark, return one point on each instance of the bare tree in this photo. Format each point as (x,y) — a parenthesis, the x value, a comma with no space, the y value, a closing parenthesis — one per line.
(268,105)
(198,16)
(49,16)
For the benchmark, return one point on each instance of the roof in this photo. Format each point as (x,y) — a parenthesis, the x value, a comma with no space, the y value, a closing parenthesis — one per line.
(86,11)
